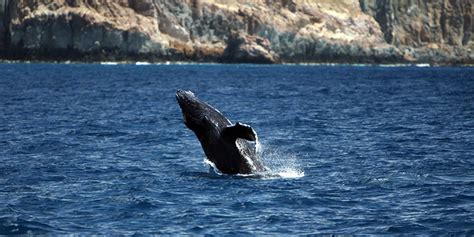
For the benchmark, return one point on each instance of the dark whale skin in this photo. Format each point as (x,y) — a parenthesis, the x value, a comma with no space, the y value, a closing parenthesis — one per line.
(224,143)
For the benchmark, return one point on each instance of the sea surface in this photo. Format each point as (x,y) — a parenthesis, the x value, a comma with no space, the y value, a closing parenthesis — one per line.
(102,149)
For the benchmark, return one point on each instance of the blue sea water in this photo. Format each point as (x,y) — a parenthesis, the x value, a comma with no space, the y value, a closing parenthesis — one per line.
(95,149)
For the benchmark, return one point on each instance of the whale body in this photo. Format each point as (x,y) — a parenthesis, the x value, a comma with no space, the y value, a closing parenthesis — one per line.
(225,144)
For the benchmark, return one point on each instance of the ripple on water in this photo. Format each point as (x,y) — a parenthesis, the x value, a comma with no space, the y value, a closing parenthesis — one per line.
(19,226)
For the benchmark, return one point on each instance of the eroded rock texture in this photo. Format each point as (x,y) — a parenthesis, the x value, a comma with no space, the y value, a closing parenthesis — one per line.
(258,31)
(426,30)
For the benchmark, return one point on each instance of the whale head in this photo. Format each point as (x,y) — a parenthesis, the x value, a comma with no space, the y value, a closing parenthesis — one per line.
(197,114)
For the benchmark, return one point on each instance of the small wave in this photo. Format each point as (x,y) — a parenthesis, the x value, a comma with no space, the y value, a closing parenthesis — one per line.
(109,63)
(18,226)
(290,173)
(142,63)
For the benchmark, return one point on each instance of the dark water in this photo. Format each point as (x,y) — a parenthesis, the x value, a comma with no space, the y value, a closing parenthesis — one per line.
(92,149)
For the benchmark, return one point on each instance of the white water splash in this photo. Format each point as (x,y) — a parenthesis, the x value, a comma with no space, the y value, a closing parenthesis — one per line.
(279,164)
(258,146)
(245,155)
(291,174)
(212,167)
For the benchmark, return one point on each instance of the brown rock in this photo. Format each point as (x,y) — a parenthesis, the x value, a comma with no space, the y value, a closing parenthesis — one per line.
(243,48)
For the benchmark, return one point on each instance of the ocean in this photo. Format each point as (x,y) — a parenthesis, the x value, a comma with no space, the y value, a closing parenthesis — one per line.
(102,149)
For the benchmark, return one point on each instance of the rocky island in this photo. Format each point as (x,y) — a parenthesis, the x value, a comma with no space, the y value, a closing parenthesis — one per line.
(239,31)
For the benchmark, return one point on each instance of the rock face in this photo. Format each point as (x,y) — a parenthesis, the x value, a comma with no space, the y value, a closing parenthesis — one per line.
(243,48)
(426,30)
(256,31)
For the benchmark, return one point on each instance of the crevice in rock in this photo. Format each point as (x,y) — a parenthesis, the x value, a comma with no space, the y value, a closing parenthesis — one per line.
(5,31)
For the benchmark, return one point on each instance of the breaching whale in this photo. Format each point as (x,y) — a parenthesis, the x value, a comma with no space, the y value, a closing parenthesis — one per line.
(225,144)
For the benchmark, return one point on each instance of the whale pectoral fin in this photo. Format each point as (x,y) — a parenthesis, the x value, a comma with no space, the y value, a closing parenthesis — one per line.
(239,130)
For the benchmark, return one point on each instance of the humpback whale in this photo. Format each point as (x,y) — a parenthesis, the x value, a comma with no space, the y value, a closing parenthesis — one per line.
(225,144)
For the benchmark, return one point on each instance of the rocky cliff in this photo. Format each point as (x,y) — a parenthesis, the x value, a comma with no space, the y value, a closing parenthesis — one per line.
(426,30)
(258,31)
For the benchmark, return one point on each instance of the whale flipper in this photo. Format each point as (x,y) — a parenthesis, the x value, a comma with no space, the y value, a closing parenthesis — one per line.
(239,130)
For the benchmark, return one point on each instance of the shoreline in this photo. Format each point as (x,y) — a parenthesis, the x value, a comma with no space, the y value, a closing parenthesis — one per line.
(151,63)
